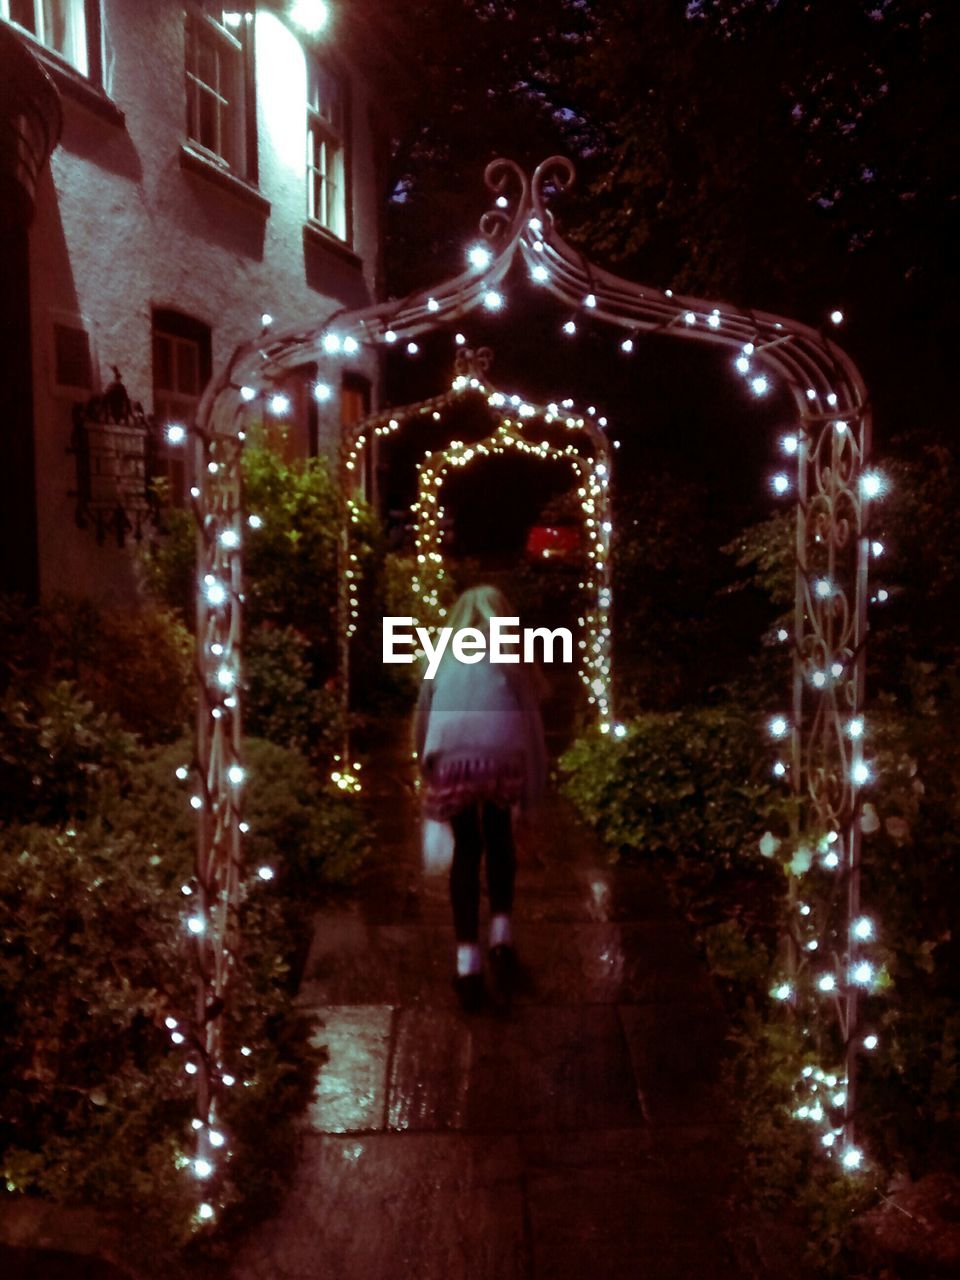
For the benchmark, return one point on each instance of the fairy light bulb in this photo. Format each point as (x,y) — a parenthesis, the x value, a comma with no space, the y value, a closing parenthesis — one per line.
(760,385)
(247,394)
(412,348)
(493,300)
(626,345)
(590,300)
(197,925)
(836,317)
(570,328)
(789,444)
(871,485)
(852,1158)
(689,318)
(778,727)
(540,274)
(322,392)
(860,772)
(827,982)
(176,433)
(202,1168)
(870,1042)
(863,928)
(279,404)
(781,483)
(479,256)
(862,974)
(205,1212)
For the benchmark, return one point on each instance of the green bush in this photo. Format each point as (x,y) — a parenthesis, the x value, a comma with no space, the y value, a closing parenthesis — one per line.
(58,752)
(96,1101)
(312,834)
(134,662)
(693,783)
(282,703)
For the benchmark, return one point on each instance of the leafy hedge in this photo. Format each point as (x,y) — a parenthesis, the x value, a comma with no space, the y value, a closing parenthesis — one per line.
(94,1101)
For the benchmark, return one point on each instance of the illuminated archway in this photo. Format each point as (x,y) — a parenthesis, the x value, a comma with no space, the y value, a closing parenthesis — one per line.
(592,491)
(588,452)
(823,736)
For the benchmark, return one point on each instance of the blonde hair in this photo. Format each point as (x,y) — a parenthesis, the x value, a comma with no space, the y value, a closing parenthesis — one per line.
(477,606)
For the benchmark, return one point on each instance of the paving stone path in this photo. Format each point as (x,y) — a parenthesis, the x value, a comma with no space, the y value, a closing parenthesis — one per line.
(577,1133)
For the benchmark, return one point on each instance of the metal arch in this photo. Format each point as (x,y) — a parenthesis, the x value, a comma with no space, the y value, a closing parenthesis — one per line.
(833,441)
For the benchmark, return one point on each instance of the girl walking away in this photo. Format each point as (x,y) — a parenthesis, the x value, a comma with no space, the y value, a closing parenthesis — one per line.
(479,740)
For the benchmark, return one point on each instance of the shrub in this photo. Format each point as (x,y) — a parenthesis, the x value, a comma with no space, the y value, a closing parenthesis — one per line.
(282,703)
(96,1101)
(312,834)
(690,783)
(134,662)
(58,753)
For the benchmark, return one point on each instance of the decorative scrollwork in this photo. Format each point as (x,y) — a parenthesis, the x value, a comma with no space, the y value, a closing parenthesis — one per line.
(553,175)
(472,363)
(500,176)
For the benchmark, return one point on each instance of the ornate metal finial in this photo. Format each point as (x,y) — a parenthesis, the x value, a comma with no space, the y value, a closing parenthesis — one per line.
(470,363)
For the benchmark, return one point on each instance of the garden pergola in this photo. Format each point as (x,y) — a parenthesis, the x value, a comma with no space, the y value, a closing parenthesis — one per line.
(819,734)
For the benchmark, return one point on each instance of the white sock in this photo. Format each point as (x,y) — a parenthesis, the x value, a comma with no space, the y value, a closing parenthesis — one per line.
(468,959)
(501,934)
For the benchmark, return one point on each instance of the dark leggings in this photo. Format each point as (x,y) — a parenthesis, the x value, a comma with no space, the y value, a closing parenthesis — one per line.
(478,825)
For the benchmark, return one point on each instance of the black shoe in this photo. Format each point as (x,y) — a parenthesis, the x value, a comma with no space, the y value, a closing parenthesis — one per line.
(470,991)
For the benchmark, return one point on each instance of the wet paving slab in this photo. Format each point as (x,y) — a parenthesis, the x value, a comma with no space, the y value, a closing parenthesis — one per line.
(576,1130)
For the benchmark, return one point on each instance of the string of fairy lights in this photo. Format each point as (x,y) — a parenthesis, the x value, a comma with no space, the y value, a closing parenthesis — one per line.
(833,958)
(832,961)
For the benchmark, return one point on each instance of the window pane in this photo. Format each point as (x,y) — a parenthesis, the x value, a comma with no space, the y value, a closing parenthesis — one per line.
(64,29)
(207,61)
(188,368)
(22,12)
(207,131)
(162,362)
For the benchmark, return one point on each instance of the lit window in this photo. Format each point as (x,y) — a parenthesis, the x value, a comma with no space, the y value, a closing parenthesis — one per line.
(216,84)
(326,151)
(61,25)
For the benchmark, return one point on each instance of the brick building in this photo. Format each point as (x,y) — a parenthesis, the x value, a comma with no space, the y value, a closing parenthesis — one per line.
(206,166)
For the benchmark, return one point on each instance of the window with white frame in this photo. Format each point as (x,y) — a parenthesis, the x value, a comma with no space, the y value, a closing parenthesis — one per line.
(60,25)
(326,150)
(216,83)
